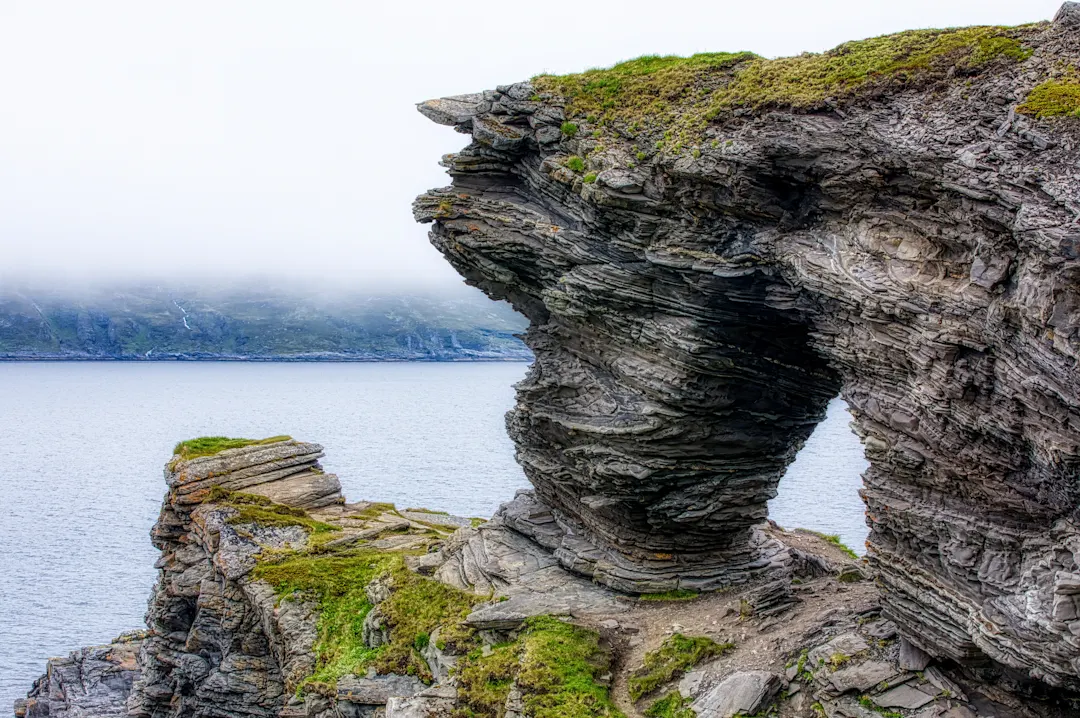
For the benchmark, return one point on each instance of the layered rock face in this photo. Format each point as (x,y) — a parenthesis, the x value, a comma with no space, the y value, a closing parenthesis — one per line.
(693,311)
(218,643)
(93,681)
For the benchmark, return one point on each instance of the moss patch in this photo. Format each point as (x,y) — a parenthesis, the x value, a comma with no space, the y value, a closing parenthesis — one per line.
(210,445)
(673,705)
(261,511)
(416,607)
(484,681)
(676,655)
(1054,98)
(336,583)
(677,96)
(556,665)
(375,510)
(679,594)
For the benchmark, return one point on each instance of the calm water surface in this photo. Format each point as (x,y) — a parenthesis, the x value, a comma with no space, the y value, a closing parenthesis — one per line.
(83,447)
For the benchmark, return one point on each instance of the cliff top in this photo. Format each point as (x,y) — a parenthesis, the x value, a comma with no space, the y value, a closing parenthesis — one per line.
(211,445)
(675,98)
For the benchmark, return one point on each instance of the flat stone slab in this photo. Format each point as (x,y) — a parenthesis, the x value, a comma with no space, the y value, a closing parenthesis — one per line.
(739,693)
(847,644)
(378,690)
(861,677)
(904,696)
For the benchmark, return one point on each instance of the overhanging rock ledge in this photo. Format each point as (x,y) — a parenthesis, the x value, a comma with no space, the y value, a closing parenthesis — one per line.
(696,301)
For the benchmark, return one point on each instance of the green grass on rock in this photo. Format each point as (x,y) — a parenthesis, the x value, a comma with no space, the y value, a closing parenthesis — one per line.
(676,655)
(678,594)
(261,511)
(1054,98)
(672,705)
(335,583)
(678,96)
(557,667)
(210,445)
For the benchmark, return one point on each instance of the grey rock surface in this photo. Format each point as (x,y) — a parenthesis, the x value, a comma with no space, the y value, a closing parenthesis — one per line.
(741,693)
(91,682)
(220,643)
(915,251)
(494,558)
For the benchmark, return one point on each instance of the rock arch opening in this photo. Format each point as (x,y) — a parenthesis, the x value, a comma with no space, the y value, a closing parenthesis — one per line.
(820,489)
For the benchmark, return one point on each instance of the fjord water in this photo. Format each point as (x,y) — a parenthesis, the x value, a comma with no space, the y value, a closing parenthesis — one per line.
(84,444)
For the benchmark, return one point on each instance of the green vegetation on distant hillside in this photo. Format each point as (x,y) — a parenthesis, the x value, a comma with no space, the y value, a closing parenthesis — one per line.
(161,323)
(1054,98)
(557,667)
(676,655)
(679,95)
(210,445)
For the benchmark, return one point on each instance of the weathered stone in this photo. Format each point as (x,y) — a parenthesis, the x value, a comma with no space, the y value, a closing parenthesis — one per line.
(740,693)
(862,676)
(377,690)
(419,707)
(91,682)
(913,658)
(903,696)
(845,645)
(881,629)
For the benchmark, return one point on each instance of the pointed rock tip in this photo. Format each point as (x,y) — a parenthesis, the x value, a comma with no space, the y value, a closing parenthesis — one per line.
(456,110)
(1068,14)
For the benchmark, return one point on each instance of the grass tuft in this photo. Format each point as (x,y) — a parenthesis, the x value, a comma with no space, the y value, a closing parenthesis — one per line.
(557,667)
(1054,98)
(575,163)
(672,705)
(569,129)
(261,511)
(676,655)
(679,594)
(834,539)
(210,445)
(336,582)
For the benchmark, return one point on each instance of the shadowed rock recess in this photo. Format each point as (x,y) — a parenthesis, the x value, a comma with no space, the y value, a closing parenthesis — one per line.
(700,286)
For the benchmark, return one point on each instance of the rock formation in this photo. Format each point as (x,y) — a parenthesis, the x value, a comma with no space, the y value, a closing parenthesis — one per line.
(264,608)
(94,681)
(700,285)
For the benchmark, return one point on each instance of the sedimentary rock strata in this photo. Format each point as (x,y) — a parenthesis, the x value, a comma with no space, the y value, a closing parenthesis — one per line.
(94,681)
(692,308)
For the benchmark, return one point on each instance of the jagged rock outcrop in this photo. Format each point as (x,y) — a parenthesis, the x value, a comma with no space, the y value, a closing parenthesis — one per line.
(94,681)
(220,644)
(914,247)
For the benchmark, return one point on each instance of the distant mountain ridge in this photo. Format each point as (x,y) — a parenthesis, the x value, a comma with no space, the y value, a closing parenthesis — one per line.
(162,323)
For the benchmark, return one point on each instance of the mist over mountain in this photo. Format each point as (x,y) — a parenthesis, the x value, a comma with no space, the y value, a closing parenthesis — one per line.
(253,321)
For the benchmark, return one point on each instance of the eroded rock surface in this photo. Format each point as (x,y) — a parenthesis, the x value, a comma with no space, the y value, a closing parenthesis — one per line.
(90,682)
(692,312)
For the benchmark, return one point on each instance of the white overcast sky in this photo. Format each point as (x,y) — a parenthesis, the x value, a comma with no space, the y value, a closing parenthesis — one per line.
(223,139)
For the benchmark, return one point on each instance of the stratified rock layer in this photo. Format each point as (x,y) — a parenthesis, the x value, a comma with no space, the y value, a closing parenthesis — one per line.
(219,643)
(93,681)
(691,315)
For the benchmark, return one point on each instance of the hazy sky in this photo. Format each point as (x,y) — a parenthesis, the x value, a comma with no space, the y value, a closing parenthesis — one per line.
(232,138)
